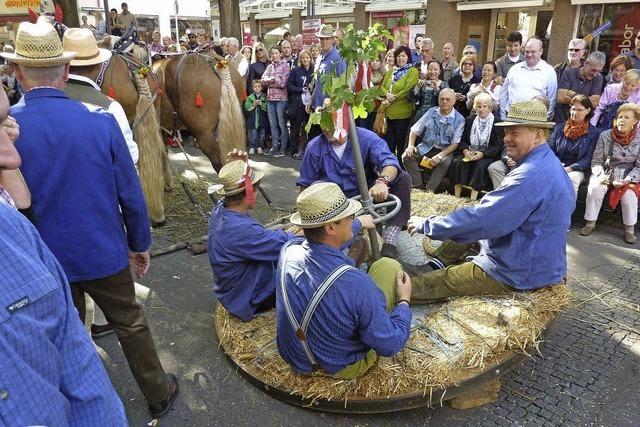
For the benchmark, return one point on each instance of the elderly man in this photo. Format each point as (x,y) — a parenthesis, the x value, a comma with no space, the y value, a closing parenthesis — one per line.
(331,160)
(575,52)
(522,225)
(426,51)
(338,35)
(236,57)
(586,80)
(439,130)
(634,55)
(242,253)
(448,64)
(88,204)
(330,315)
(529,79)
(511,58)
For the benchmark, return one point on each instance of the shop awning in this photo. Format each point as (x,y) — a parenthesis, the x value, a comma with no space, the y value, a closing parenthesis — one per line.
(577,2)
(385,5)
(497,4)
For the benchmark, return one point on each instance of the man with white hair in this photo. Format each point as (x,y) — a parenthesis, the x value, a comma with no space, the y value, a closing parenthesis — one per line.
(575,51)
(236,57)
(586,80)
(529,79)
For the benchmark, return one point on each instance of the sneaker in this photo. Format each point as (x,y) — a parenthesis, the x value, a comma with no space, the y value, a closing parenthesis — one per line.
(252,151)
(279,154)
(587,229)
(259,150)
(629,237)
(100,331)
(297,156)
(271,152)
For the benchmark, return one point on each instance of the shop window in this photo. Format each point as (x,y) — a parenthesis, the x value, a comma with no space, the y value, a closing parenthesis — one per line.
(529,23)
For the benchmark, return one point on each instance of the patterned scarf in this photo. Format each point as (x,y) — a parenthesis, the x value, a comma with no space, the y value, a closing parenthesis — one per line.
(624,138)
(574,130)
(480,132)
(399,72)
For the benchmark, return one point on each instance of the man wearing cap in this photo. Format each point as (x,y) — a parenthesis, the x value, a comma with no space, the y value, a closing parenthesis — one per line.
(126,18)
(330,159)
(243,254)
(521,225)
(87,201)
(330,315)
(328,61)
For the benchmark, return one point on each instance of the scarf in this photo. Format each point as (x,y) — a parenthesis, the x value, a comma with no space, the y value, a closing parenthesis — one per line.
(399,73)
(624,138)
(574,130)
(480,132)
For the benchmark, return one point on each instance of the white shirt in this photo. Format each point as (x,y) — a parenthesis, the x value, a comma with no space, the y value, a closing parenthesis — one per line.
(339,149)
(243,65)
(118,113)
(523,83)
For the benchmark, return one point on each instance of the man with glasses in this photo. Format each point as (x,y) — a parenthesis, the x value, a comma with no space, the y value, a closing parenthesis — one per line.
(426,50)
(586,80)
(575,52)
(634,55)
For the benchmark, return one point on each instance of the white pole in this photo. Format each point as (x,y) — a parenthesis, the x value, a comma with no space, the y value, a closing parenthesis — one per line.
(177,29)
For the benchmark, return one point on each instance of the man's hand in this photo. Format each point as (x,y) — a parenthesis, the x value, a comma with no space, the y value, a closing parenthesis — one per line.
(366,221)
(510,162)
(435,160)
(12,127)
(568,169)
(379,192)
(238,155)
(416,225)
(140,261)
(409,151)
(403,286)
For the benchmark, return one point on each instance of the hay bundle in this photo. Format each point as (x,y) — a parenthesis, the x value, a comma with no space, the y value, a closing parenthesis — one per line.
(146,133)
(452,344)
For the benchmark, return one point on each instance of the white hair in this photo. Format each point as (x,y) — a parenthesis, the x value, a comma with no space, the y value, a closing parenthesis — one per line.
(43,76)
(597,57)
(233,42)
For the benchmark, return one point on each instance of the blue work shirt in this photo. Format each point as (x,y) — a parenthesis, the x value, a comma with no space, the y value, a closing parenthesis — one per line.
(521,225)
(576,154)
(351,318)
(87,200)
(437,130)
(331,62)
(321,163)
(50,373)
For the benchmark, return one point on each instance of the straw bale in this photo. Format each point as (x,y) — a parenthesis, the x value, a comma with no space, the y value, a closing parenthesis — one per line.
(455,342)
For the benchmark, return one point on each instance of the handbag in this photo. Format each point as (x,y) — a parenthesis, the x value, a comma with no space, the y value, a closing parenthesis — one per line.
(380,124)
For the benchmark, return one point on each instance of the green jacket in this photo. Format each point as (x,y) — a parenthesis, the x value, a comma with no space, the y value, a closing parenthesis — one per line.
(401,108)
(256,116)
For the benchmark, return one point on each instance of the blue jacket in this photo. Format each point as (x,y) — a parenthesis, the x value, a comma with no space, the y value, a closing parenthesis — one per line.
(574,154)
(331,62)
(87,200)
(350,319)
(321,163)
(522,225)
(299,78)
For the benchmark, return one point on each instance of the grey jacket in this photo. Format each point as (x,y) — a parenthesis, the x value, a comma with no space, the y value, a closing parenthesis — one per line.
(626,157)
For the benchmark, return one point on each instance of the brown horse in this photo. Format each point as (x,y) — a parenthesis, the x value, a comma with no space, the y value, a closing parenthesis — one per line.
(205,92)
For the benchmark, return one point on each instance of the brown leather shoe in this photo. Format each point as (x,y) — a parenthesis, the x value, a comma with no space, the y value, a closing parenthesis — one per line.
(587,229)
(162,408)
(630,237)
(358,250)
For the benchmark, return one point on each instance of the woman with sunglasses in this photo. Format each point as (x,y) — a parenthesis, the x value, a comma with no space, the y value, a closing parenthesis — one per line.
(259,63)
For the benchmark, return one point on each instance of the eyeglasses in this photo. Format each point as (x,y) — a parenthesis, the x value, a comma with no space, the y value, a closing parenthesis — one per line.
(574,49)
(467,63)
(260,49)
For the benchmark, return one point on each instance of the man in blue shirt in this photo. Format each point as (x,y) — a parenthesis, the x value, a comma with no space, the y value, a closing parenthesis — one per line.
(522,225)
(87,201)
(329,159)
(330,315)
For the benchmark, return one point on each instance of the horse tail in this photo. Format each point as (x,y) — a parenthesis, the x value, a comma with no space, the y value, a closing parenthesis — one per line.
(231,129)
(146,133)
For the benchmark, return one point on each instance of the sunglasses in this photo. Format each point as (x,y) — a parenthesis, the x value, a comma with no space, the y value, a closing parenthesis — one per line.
(574,50)
(260,49)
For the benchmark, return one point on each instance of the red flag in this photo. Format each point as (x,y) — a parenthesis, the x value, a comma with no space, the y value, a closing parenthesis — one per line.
(248,186)
(59,16)
(32,16)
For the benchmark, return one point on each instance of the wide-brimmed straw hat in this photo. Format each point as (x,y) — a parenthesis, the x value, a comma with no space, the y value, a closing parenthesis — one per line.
(231,177)
(321,204)
(527,113)
(325,31)
(38,45)
(83,42)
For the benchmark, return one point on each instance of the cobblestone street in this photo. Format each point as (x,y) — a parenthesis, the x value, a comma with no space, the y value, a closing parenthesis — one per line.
(586,372)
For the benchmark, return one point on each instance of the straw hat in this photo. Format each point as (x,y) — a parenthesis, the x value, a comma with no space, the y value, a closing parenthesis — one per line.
(527,113)
(231,178)
(83,42)
(38,45)
(321,204)
(325,31)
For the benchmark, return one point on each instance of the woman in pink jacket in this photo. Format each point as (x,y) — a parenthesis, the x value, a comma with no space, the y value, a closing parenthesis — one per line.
(275,78)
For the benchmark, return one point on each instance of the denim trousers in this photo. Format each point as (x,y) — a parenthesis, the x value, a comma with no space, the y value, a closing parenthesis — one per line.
(278,124)
(256,137)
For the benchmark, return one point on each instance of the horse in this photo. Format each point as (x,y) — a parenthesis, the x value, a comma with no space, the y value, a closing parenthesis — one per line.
(202,93)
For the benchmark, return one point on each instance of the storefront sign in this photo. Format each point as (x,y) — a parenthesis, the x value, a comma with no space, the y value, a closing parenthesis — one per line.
(309,29)
(391,14)
(18,7)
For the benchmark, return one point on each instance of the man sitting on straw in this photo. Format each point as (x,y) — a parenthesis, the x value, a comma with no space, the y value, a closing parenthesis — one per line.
(332,316)
(522,225)
(244,254)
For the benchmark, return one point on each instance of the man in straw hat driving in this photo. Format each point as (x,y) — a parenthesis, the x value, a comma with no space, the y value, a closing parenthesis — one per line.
(332,316)
(244,254)
(85,188)
(521,225)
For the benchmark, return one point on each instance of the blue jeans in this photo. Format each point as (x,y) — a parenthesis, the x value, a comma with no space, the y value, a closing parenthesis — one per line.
(278,124)
(256,137)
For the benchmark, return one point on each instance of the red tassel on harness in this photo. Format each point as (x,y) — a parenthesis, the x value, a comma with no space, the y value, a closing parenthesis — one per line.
(199,100)
(59,17)
(248,187)
(111,93)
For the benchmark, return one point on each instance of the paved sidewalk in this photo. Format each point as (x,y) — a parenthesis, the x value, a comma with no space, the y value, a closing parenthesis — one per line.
(587,372)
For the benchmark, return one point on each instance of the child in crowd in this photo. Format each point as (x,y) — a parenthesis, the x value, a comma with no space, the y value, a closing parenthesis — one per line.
(257,118)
